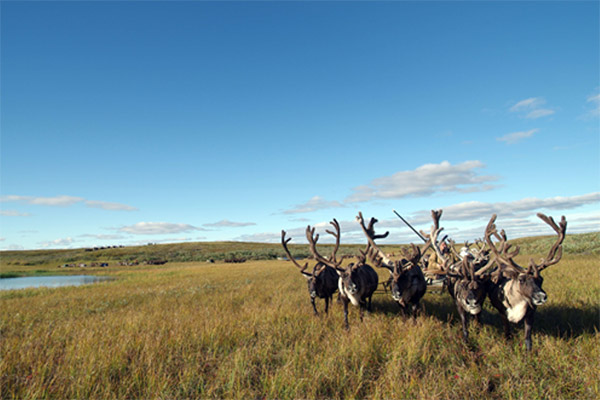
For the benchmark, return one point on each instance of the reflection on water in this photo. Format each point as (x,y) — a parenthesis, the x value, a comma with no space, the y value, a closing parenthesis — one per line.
(49,281)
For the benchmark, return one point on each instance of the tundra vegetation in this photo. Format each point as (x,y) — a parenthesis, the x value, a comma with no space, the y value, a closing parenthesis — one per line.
(197,330)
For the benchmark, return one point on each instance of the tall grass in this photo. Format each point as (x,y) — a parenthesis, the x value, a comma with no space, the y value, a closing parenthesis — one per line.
(197,330)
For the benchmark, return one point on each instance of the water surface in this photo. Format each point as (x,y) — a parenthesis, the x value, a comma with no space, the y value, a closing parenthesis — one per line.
(49,281)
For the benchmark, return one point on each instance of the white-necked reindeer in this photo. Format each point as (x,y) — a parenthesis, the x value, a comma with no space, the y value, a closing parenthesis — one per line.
(357,282)
(513,290)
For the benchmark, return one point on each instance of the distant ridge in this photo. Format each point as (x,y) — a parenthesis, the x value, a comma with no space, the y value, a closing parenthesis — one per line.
(585,243)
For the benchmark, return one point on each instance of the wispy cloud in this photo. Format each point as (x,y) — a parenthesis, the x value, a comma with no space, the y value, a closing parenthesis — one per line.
(425,181)
(531,108)
(516,137)
(228,224)
(58,243)
(105,205)
(14,213)
(593,103)
(260,237)
(314,204)
(57,201)
(163,241)
(528,104)
(542,112)
(158,228)
(475,210)
(102,236)
(66,201)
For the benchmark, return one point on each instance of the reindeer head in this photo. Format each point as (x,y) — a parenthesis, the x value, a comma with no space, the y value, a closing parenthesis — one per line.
(315,282)
(468,287)
(314,279)
(407,276)
(523,284)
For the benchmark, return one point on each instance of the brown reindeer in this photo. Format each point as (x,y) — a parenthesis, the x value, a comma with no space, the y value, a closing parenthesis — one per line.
(322,281)
(357,282)
(513,290)
(466,279)
(406,278)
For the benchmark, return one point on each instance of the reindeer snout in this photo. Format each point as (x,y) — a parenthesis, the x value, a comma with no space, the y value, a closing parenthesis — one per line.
(539,298)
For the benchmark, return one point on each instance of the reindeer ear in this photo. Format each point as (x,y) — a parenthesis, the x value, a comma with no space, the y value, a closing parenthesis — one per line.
(306,275)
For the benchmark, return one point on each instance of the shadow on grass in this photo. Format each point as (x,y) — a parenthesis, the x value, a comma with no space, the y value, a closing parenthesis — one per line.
(554,320)
(567,321)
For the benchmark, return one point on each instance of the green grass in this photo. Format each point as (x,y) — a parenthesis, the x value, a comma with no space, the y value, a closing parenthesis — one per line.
(198,330)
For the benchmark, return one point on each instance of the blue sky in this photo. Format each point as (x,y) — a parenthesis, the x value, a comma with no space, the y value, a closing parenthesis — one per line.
(136,122)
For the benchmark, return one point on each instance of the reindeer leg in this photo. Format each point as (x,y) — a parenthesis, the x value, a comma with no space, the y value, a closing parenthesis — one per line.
(327,305)
(506,325)
(345,301)
(415,308)
(464,320)
(528,327)
(312,300)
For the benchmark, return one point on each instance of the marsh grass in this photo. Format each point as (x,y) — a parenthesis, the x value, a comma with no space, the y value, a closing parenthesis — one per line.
(197,330)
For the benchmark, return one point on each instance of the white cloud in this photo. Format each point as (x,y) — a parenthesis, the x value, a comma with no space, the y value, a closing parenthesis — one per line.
(57,201)
(61,243)
(542,112)
(528,104)
(425,181)
(13,247)
(109,206)
(261,237)
(466,220)
(66,201)
(594,112)
(164,241)
(13,213)
(229,224)
(102,236)
(314,204)
(158,228)
(531,108)
(475,210)
(515,137)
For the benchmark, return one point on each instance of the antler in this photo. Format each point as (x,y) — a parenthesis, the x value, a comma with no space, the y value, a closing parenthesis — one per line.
(502,255)
(452,244)
(336,235)
(555,253)
(433,235)
(381,259)
(312,241)
(284,243)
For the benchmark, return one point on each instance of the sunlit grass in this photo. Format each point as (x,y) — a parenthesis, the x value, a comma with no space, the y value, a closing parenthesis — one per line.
(197,330)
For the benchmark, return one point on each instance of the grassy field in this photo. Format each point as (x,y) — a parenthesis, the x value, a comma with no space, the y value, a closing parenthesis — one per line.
(198,330)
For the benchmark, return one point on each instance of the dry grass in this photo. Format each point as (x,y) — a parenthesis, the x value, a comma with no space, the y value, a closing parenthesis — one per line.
(198,330)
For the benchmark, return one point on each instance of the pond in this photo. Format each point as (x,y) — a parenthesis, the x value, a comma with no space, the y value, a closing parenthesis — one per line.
(49,281)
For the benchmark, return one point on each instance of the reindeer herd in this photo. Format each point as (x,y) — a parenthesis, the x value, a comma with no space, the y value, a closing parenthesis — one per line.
(485,270)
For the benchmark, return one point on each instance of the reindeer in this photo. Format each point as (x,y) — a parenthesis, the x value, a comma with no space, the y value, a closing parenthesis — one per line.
(357,282)
(406,278)
(323,280)
(513,290)
(465,279)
